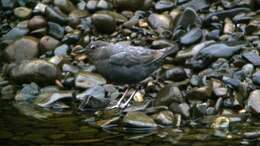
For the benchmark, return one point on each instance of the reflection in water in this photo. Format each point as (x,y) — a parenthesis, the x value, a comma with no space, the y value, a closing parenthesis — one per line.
(68,129)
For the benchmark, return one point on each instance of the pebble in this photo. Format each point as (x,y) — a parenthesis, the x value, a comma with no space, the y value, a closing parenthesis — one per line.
(48,43)
(56,30)
(160,22)
(87,79)
(191,37)
(37,22)
(104,23)
(254,101)
(138,120)
(22,12)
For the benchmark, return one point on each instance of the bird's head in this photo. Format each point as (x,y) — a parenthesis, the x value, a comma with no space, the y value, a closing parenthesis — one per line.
(94,45)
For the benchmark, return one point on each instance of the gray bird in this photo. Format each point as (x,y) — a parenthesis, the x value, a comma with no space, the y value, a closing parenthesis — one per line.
(123,63)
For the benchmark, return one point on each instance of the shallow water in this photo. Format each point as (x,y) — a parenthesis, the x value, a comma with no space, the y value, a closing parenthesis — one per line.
(68,129)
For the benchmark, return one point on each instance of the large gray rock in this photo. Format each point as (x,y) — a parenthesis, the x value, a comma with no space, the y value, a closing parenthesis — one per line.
(38,71)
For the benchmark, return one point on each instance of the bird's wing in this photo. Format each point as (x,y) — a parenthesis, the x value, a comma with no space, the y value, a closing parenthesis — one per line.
(132,58)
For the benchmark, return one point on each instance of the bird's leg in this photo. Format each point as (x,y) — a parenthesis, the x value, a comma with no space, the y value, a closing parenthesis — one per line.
(120,100)
(83,103)
(128,100)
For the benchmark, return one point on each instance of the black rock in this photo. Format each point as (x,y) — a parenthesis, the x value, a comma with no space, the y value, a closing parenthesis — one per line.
(56,30)
(176,74)
(256,78)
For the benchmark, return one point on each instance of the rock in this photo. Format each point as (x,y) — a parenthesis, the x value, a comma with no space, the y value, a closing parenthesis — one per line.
(103,5)
(164,118)
(138,120)
(56,30)
(191,37)
(160,22)
(65,5)
(47,100)
(94,98)
(89,79)
(252,57)
(61,50)
(7,92)
(22,12)
(104,23)
(37,22)
(15,33)
(254,101)
(92,5)
(256,78)
(25,48)
(176,74)
(219,50)
(28,93)
(129,4)
(163,5)
(38,71)
(48,43)
(197,4)
(168,94)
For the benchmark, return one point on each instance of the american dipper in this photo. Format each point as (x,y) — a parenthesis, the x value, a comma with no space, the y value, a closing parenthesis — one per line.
(123,63)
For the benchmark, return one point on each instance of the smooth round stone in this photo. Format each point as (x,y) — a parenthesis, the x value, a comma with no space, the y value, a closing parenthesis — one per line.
(65,5)
(92,5)
(89,79)
(163,5)
(129,4)
(160,22)
(48,43)
(22,12)
(103,5)
(191,37)
(56,30)
(37,22)
(104,23)
(38,71)
(138,120)
(254,101)
(176,74)
(169,94)
(164,118)
(188,18)
(25,48)
(256,78)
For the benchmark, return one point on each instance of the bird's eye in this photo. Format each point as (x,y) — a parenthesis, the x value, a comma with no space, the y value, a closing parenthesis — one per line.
(92,47)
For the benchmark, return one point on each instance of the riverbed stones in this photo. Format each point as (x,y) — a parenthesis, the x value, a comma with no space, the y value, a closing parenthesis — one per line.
(48,43)
(104,23)
(25,48)
(56,30)
(38,71)
(37,22)
(138,120)
(191,37)
(160,22)
(88,79)
(65,5)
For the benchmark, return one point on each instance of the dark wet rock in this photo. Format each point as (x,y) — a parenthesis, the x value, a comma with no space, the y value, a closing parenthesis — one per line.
(71,38)
(182,108)
(163,5)
(160,22)
(221,15)
(254,101)
(237,3)
(252,57)
(214,34)
(65,5)
(48,43)
(189,17)
(117,16)
(197,4)
(7,4)
(22,12)
(219,50)
(234,83)
(61,50)
(138,120)
(176,74)
(56,30)
(28,93)
(104,23)
(55,16)
(200,93)
(88,79)
(25,48)
(256,78)
(76,16)
(38,71)
(164,118)
(37,22)
(48,99)
(129,4)
(168,94)
(191,37)
(159,44)
(94,97)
